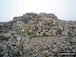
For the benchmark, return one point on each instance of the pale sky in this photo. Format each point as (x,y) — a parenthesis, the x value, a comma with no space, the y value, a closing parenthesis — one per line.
(64,9)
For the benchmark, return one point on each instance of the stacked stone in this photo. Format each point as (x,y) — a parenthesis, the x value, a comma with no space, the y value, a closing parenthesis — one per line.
(43,26)
(43,35)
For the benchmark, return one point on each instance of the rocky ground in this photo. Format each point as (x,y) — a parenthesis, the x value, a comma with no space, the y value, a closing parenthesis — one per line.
(38,35)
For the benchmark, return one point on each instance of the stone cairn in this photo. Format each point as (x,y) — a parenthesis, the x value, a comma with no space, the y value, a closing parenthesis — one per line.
(38,35)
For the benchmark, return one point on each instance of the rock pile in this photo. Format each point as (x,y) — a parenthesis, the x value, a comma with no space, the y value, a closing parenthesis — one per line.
(30,16)
(43,26)
(37,35)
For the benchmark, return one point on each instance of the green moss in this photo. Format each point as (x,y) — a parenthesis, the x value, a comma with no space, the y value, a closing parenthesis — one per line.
(33,36)
(7,38)
(28,33)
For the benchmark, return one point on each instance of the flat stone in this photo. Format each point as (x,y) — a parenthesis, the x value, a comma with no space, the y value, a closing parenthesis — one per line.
(48,33)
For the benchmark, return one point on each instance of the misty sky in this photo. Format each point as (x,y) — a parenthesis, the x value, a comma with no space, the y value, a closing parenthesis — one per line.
(64,9)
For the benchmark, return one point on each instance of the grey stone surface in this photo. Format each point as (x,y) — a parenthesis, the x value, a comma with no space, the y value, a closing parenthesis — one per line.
(37,35)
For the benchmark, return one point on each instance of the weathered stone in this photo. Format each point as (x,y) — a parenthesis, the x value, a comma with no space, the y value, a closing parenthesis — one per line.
(60,27)
(53,32)
(73,39)
(65,32)
(5,55)
(7,34)
(55,50)
(37,35)
(18,25)
(48,33)
(22,30)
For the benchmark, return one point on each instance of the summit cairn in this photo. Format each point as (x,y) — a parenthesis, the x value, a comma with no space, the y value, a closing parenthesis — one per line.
(38,35)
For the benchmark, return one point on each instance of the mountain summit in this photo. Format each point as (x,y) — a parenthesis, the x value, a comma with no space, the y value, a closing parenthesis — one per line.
(37,35)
